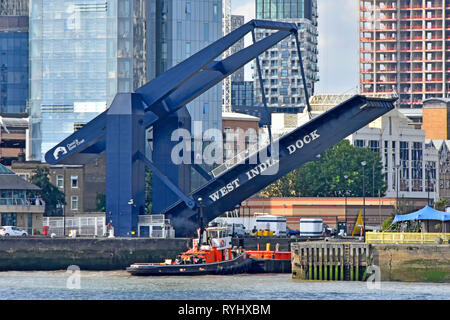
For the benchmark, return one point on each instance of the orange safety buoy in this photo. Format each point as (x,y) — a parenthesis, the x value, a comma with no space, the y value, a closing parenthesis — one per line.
(222,243)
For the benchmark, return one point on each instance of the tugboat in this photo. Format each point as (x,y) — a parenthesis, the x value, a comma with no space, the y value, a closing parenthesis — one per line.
(210,254)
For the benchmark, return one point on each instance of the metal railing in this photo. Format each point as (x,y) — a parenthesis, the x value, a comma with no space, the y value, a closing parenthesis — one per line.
(84,226)
(406,237)
(21,202)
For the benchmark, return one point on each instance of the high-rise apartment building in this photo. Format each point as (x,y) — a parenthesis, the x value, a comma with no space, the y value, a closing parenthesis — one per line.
(281,74)
(404,49)
(179,29)
(82,53)
(14,7)
(236,22)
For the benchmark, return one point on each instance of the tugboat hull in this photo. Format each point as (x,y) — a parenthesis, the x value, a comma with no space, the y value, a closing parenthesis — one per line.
(240,264)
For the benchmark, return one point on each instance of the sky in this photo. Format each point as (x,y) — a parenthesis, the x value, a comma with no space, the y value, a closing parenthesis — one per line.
(338,42)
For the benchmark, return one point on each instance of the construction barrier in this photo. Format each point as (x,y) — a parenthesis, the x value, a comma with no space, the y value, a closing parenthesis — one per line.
(406,237)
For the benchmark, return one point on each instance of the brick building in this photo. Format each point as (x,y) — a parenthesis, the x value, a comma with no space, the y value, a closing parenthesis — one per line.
(80,184)
(436,118)
(331,210)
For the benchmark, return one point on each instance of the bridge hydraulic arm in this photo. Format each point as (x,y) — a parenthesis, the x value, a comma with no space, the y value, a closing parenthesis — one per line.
(160,88)
(243,180)
(174,89)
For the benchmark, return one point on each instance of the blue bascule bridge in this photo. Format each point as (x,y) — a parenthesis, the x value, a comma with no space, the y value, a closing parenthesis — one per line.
(120,133)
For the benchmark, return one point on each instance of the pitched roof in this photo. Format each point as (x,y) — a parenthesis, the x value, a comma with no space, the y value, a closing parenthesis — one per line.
(5,170)
(11,181)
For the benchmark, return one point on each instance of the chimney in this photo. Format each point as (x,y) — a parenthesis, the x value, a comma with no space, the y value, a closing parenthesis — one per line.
(21,156)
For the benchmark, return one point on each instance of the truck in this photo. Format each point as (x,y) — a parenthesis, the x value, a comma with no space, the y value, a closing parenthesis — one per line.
(276,224)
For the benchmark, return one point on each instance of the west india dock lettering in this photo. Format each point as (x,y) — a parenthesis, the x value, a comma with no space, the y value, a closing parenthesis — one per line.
(264,166)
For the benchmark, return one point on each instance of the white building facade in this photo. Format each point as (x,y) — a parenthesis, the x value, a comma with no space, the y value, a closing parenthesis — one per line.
(410,164)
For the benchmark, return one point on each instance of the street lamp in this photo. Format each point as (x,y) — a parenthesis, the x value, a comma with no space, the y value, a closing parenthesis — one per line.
(397,185)
(346,193)
(427,170)
(363,163)
(200,202)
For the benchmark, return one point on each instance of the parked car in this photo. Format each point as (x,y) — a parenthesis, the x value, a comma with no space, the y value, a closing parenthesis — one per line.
(12,231)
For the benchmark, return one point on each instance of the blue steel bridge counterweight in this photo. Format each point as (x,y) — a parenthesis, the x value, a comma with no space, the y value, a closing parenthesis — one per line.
(120,132)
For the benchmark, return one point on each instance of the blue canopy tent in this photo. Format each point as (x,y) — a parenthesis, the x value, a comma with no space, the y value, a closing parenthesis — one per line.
(426,213)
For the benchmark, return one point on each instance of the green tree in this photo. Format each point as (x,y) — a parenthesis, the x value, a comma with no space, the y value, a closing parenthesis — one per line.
(441,204)
(325,177)
(101,202)
(53,197)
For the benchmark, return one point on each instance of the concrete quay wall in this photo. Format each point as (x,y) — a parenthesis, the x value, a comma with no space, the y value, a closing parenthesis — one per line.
(22,254)
(89,254)
(413,262)
(396,262)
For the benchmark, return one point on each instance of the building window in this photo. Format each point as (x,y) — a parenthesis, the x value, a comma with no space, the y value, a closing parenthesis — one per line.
(188,49)
(74,202)
(206,31)
(188,10)
(359,143)
(215,12)
(74,182)
(9,219)
(374,145)
(416,170)
(60,181)
(179,30)
(205,109)
(430,177)
(404,163)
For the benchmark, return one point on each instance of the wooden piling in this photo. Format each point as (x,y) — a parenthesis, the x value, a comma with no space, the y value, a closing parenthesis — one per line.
(330,261)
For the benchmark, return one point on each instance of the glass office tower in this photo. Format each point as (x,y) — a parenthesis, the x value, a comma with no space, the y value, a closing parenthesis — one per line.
(13,64)
(82,53)
(179,29)
(280,65)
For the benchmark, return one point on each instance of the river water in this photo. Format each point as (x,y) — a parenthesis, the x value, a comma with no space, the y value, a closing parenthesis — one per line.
(117,285)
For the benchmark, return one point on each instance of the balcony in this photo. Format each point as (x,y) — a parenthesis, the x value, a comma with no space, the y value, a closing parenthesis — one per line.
(387,71)
(434,17)
(15,205)
(387,81)
(387,39)
(384,29)
(387,8)
(387,50)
